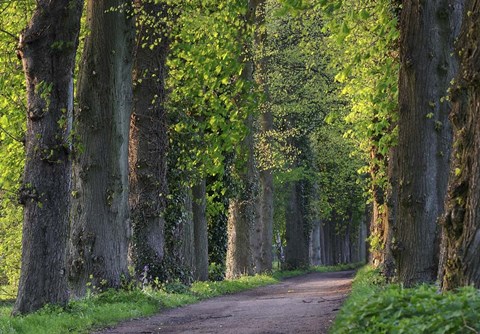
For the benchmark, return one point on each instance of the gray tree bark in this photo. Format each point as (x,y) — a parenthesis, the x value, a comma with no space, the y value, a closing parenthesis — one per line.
(242,208)
(390,219)
(188,234)
(264,253)
(428,29)
(242,217)
(148,142)
(47,48)
(100,229)
(461,223)
(315,244)
(297,235)
(200,227)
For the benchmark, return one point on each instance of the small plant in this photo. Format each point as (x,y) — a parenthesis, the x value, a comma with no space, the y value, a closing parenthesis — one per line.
(377,307)
(216,272)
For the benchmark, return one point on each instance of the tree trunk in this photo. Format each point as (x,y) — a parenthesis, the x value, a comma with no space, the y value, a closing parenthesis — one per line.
(461,223)
(242,216)
(392,209)
(47,48)
(100,231)
(148,142)
(265,204)
(296,252)
(316,249)
(200,230)
(266,200)
(242,208)
(427,35)
(188,234)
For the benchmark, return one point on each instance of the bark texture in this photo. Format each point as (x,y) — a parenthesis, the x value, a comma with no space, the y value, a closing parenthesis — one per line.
(188,233)
(199,206)
(100,228)
(242,216)
(388,267)
(264,255)
(47,48)
(148,142)
(264,262)
(428,29)
(297,232)
(242,208)
(461,224)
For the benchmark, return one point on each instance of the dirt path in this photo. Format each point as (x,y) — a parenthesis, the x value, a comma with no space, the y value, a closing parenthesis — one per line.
(305,304)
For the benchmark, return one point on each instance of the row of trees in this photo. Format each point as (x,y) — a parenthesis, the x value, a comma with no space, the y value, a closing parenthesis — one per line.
(156,134)
(423,189)
(204,132)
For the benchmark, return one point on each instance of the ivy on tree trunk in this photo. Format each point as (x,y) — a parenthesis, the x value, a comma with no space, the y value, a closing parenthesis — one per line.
(47,48)
(100,231)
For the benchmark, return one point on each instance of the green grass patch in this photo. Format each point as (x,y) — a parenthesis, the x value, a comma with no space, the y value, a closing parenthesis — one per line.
(111,307)
(377,307)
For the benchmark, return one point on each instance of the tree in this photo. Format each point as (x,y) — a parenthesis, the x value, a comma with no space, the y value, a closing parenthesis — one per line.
(47,48)
(364,47)
(264,254)
(428,30)
(100,231)
(200,230)
(301,95)
(461,222)
(339,202)
(148,140)
(241,212)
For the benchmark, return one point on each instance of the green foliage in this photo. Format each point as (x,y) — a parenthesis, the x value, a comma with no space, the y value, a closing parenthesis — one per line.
(374,307)
(340,199)
(364,36)
(313,151)
(208,96)
(216,272)
(14,16)
(363,39)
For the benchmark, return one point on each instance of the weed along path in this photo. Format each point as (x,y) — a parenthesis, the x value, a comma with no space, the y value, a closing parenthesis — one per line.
(304,304)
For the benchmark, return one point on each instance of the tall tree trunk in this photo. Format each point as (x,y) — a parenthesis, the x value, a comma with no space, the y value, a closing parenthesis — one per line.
(188,233)
(47,48)
(427,35)
(297,235)
(100,231)
(148,142)
(266,220)
(461,223)
(378,225)
(242,208)
(242,216)
(199,205)
(315,244)
(390,219)
(265,204)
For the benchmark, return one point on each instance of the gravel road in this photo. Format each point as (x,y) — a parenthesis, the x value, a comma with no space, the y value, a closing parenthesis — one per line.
(304,304)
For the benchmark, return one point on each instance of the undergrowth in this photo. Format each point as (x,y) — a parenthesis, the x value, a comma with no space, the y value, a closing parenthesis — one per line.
(110,307)
(377,307)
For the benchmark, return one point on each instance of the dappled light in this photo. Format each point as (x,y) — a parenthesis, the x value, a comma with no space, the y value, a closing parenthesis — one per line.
(154,153)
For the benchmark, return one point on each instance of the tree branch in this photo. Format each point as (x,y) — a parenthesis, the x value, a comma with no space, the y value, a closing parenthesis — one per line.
(9,34)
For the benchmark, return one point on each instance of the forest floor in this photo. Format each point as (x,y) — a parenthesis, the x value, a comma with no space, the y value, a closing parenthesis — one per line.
(304,304)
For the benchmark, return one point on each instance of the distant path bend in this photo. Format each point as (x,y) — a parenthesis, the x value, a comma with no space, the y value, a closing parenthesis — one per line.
(304,304)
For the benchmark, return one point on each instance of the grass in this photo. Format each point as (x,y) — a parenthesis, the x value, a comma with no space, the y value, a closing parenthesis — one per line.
(377,307)
(113,306)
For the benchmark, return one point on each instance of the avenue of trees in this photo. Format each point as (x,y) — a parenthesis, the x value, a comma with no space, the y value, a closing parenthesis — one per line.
(162,140)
